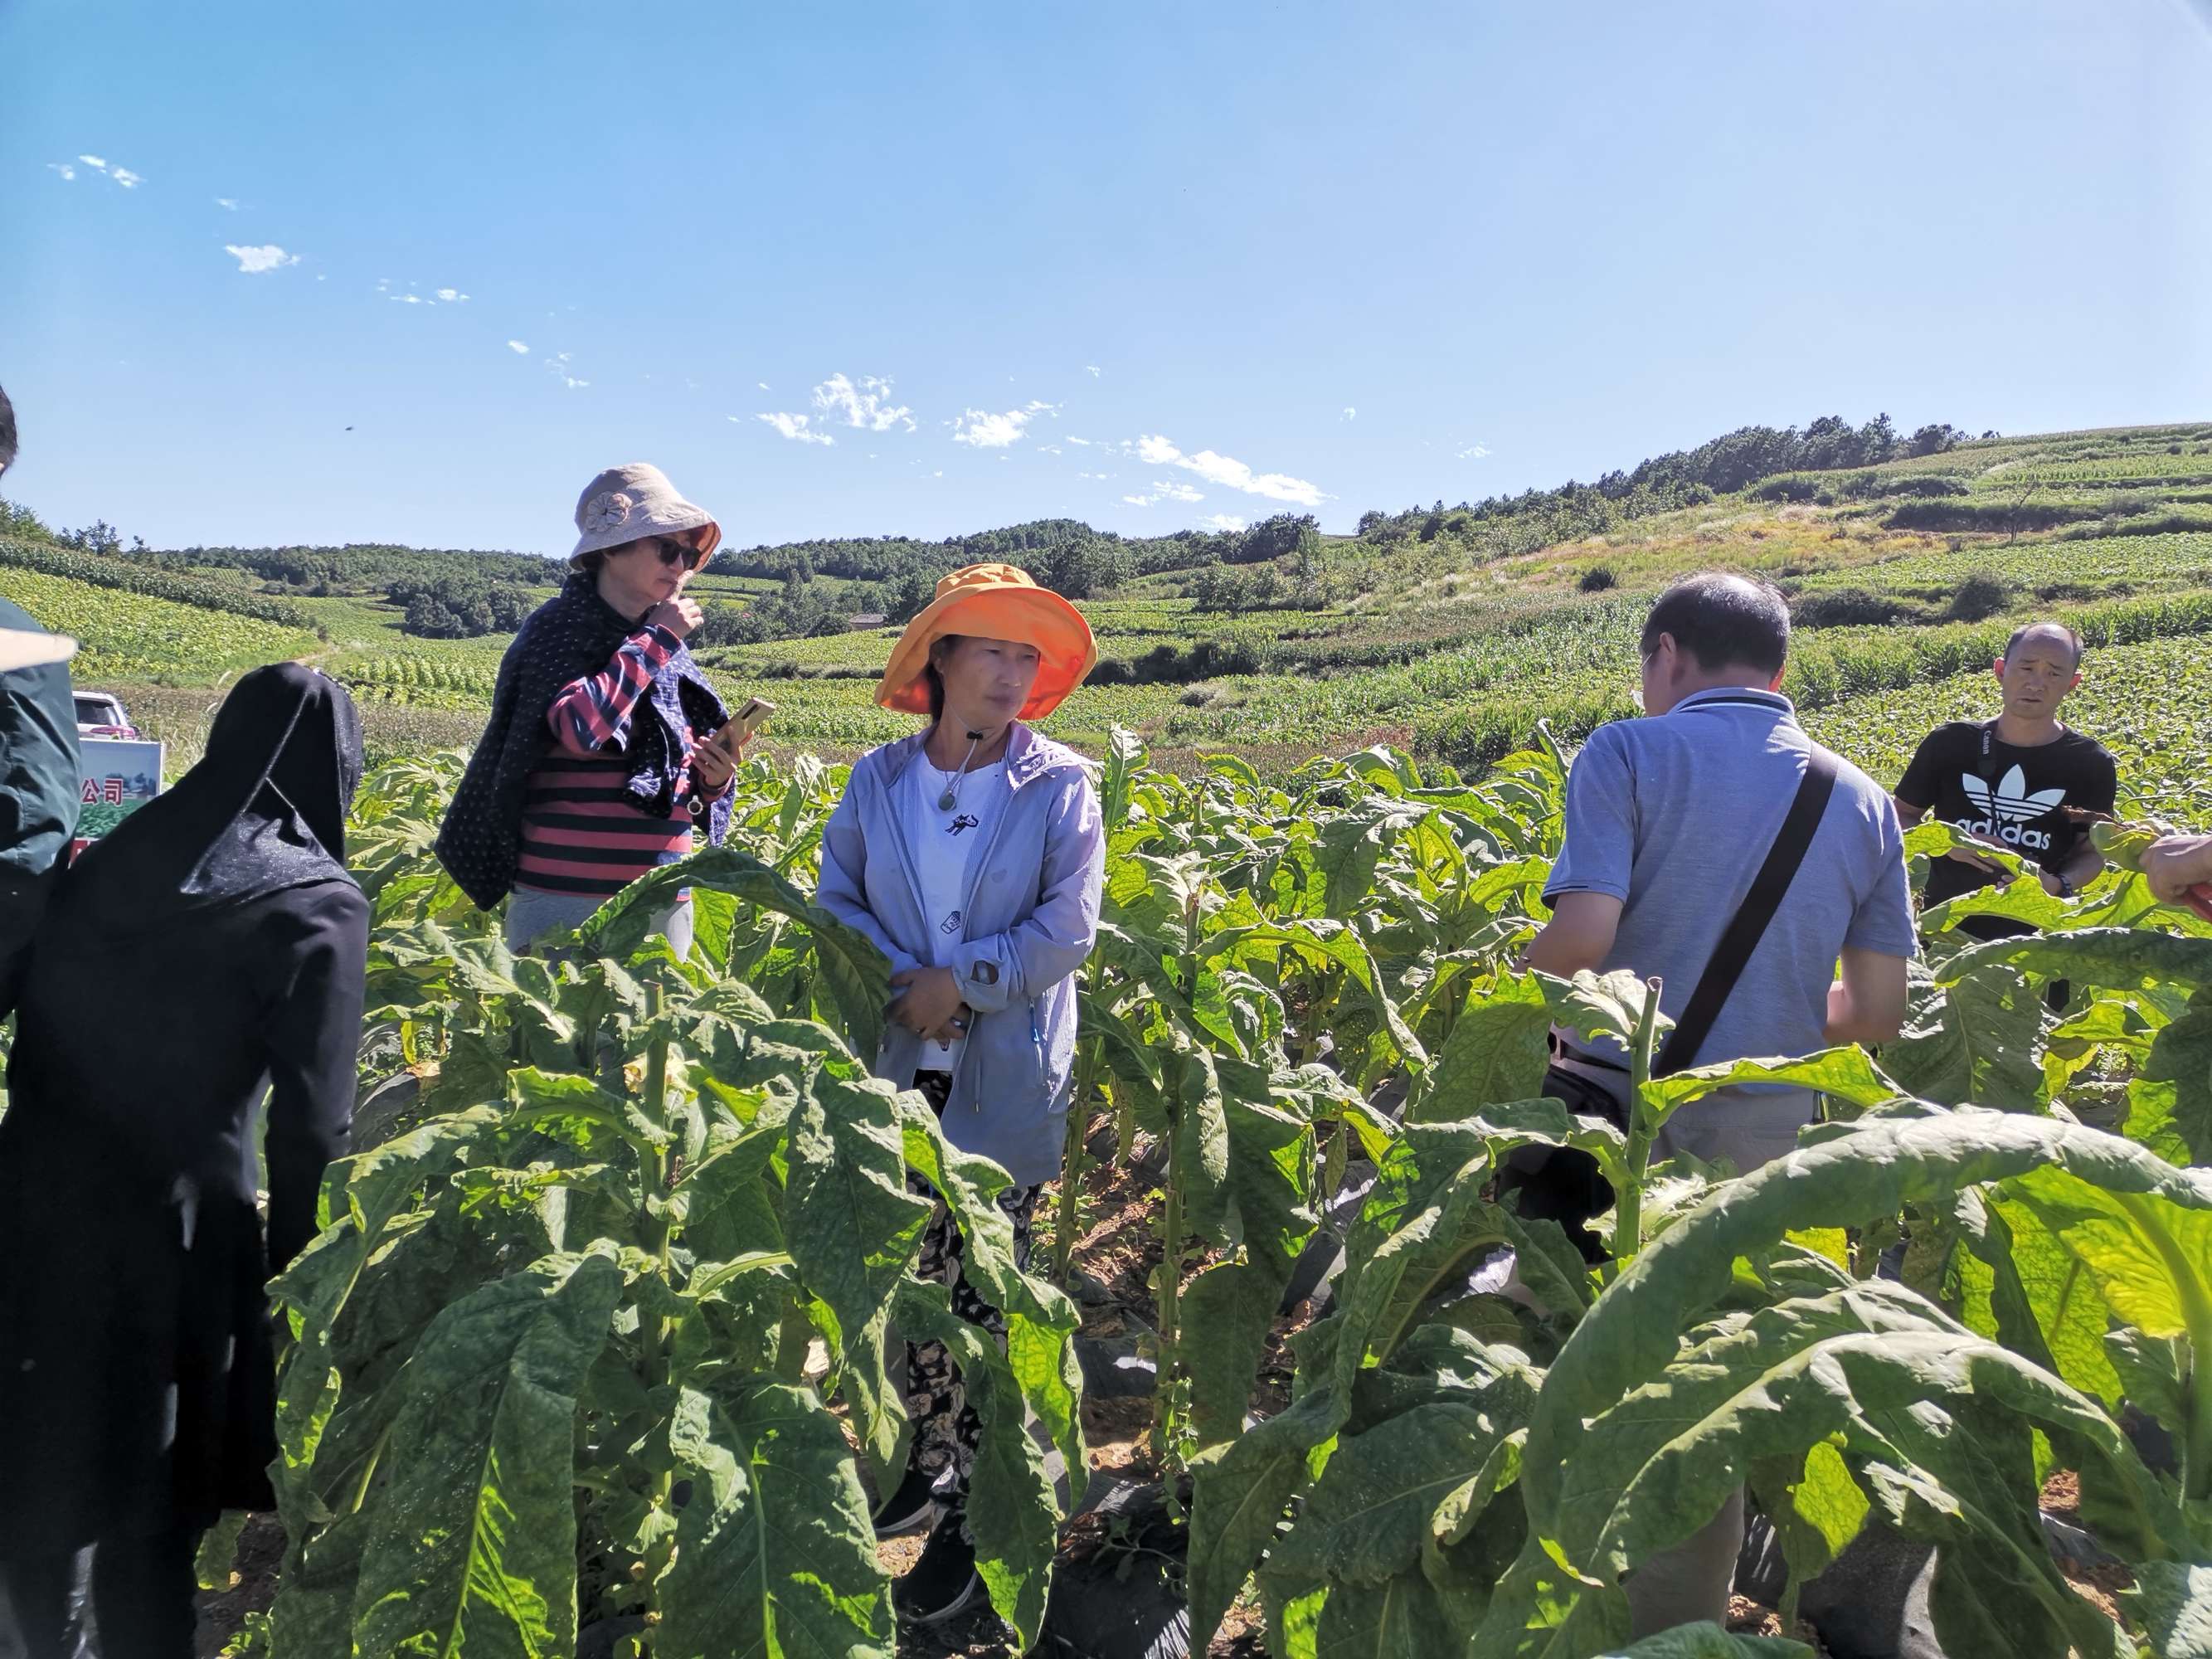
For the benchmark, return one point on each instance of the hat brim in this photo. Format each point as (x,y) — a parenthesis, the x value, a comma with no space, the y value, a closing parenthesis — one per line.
(24,647)
(675,522)
(1066,651)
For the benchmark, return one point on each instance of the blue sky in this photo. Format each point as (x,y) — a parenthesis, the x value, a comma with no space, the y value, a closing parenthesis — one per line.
(1261,257)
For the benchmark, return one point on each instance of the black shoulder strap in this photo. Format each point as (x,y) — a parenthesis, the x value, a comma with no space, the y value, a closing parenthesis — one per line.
(1749,923)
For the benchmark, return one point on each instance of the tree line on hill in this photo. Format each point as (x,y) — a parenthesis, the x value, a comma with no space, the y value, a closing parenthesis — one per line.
(1501,525)
(450,593)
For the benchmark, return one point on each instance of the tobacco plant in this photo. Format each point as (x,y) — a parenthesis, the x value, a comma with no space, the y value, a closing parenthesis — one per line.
(568,1353)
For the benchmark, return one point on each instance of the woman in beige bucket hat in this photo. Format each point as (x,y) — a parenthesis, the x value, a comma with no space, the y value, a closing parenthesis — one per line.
(595,766)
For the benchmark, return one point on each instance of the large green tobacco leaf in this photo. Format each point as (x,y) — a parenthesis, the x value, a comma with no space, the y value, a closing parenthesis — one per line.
(1977,1039)
(1229,1309)
(1369,1518)
(1013,1515)
(1242,1487)
(1871,1169)
(1843,1177)
(362,1197)
(1600,1007)
(775,1555)
(474,1547)
(1402,1618)
(1497,1051)
(853,1227)
(1040,1320)
(2170,1098)
(2037,1283)
(1434,1246)
(2152,1260)
(1841,1075)
(851,978)
(1883,1375)
(2174,1603)
(2123,959)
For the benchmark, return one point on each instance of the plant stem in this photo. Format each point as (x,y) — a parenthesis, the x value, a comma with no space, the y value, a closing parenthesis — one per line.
(368,1469)
(1169,1294)
(1171,1226)
(1073,1162)
(1628,1203)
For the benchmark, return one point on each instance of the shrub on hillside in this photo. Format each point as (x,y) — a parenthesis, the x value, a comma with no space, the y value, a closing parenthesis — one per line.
(1597,578)
(2002,516)
(1981,595)
(1852,607)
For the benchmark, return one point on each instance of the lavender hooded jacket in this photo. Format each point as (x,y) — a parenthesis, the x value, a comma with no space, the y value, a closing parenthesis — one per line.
(1032,915)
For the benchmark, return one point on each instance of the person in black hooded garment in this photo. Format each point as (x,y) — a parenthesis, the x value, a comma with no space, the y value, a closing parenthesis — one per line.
(212,948)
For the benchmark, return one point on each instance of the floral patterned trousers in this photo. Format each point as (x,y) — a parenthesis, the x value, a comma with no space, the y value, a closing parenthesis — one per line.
(946,1431)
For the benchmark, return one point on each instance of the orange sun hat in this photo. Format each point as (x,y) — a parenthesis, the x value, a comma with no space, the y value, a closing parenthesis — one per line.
(994,602)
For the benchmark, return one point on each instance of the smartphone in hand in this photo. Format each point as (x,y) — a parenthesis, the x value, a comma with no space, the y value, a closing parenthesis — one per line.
(742,726)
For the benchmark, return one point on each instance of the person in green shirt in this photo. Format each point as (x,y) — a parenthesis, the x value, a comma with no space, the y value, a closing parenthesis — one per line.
(39,768)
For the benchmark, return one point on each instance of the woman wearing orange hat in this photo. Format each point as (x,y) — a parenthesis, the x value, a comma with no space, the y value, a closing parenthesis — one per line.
(973,853)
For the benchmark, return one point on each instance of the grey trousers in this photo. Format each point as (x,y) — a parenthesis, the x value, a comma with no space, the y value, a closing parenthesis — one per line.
(532,915)
(1689,1582)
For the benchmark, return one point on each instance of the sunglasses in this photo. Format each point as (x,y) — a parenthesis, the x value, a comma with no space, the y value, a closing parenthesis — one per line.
(673,552)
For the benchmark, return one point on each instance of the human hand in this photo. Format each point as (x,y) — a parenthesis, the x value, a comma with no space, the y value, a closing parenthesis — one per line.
(712,765)
(928,1002)
(2179,871)
(1967,855)
(679,615)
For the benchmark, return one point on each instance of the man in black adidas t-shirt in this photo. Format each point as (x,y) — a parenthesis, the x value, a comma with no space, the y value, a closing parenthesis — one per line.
(2006,781)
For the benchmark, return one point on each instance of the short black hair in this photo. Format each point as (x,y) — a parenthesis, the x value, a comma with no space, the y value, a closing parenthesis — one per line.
(1722,620)
(2025,628)
(7,431)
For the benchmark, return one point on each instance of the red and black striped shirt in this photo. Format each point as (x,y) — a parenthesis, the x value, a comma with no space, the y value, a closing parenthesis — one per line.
(581,829)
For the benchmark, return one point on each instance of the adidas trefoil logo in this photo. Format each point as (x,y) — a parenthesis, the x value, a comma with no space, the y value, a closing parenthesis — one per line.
(2008,808)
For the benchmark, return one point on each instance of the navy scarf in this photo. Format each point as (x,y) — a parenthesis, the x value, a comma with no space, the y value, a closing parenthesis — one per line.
(573,635)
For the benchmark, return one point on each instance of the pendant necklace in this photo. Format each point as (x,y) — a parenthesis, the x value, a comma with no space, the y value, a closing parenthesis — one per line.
(951,798)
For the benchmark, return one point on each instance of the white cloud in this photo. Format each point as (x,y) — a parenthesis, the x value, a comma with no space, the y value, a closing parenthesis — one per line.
(451,297)
(1085,442)
(413,300)
(93,162)
(1350,414)
(794,427)
(867,406)
(1048,449)
(255,260)
(1163,490)
(980,430)
(127,178)
(1230,473)
(764,386)
(521,351)
(62,168)
(1092,370)
(558,366)
(1222,521)
(1473,453)
(228,203)
(1038,407)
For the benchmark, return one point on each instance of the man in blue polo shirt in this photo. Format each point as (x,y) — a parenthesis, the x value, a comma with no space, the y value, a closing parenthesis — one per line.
(1668,820)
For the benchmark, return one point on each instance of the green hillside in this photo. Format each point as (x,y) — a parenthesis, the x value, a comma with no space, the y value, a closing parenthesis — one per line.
(1450,630)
